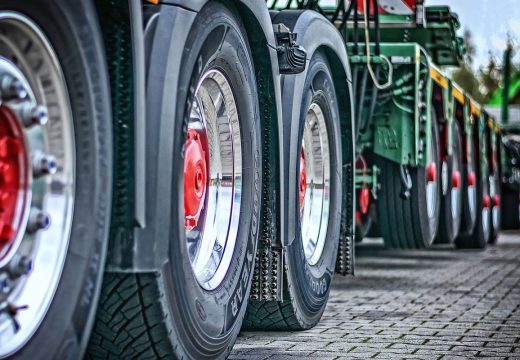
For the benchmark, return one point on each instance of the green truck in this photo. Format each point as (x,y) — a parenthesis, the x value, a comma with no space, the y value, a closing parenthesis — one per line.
(172,171)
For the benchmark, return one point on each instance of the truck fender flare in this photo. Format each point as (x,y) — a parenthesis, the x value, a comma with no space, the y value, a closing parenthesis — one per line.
(315,32)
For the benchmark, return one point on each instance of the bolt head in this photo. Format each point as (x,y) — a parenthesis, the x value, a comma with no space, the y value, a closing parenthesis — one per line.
(12,89)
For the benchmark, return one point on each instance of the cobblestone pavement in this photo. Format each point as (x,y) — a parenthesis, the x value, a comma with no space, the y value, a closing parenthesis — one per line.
(436,304)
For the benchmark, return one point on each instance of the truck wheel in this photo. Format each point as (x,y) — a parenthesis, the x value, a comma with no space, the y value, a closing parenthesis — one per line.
(311,258)
(469,192)
(496,214)
(193,308)
(410,222)
(451,211)
(56,176)
(481,233)
(511,209)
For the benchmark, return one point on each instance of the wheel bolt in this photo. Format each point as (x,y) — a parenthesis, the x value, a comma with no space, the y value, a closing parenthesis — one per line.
(12,89)
(38,220)
(32,114)
(5,283)
(43,164)
(20,265)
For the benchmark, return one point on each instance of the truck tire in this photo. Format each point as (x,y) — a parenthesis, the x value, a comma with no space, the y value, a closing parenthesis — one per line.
(54,118)
(496,213)
(469,193)
(193,308)
(311,258)
(510,209)
(410,222)
(451,206)
(481,233)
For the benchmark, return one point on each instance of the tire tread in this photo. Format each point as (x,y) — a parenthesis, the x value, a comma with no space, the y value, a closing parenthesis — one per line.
(130,323)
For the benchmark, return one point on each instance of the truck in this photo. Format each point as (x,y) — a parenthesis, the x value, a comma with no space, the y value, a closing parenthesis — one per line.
(173,171)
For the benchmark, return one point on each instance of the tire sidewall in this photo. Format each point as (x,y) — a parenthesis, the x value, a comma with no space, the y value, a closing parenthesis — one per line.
(310,285)
(70,30)
(206,322)
(451,224)
(469,215)
(428,226)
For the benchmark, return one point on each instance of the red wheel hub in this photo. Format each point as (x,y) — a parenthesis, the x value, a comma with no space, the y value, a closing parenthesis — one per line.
(486,202)
(496,200)
(13,179)
(431,172)
(364,192)
(364,200)
(195,176)
(455,180)
(303,179)
(472,179)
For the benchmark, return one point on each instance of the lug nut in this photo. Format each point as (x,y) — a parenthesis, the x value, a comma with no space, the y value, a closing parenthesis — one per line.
(20,265)
(12,89)
(43,164)
(32,114)
(38,220)
(5,283)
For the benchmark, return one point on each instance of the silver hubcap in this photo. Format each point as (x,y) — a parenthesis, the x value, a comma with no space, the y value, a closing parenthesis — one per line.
(495,209)
(211,229)
(34,93)
(431,186)
(314,207)
(456,207)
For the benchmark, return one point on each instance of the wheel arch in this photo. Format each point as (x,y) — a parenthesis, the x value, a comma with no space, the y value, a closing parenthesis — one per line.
(162,43)
(316,33)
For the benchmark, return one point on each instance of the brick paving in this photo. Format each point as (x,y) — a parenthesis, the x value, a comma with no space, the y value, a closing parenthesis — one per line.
(436,304)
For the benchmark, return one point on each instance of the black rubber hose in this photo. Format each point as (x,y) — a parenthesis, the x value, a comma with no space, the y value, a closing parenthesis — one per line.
(355,32)
(377,31)
(361,100)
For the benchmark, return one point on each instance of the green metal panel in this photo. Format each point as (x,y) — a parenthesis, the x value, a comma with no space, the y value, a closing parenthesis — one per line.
(401,126)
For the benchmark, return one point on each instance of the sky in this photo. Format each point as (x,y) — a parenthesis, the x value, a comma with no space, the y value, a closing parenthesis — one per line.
(490,21)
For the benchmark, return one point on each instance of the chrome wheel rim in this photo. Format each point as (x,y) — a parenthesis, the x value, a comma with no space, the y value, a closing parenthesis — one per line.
(214,179)
(456,207)
(495,210)
(431,183)
(472,191)
(31,268)
(314,184)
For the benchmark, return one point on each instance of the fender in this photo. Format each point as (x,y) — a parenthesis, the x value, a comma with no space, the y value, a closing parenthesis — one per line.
(316,32)
(164,39)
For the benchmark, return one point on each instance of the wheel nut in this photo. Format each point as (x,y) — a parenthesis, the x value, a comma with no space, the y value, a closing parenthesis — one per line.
(32,114)
(12,89)
(38,220)
(20,265)
(5,283)
(43,164)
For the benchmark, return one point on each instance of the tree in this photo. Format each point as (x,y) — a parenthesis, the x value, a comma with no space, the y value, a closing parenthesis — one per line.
(465,75)
(490,77)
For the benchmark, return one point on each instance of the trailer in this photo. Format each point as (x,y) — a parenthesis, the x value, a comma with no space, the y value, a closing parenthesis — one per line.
(173,171)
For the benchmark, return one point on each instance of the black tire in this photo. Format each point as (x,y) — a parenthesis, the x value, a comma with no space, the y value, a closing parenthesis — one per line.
(481,233)
(168,314)
(71,29)
(510,203)
(308,286)
(449,224)
(404,222)
(469,197)
(365,224)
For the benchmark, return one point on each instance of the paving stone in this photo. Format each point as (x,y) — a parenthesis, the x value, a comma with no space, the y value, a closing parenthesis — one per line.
(438,304)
